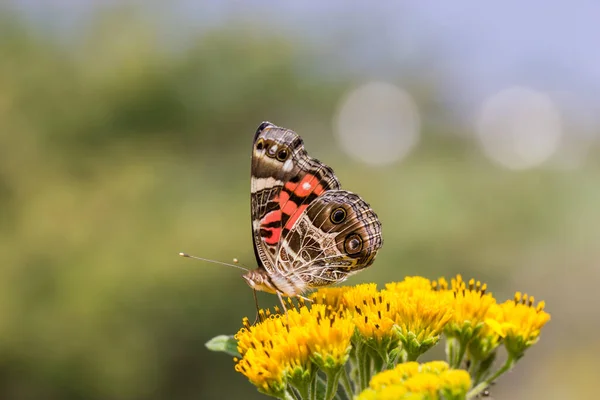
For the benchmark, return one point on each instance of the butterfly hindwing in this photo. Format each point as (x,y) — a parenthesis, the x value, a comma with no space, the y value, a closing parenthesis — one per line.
(336,236)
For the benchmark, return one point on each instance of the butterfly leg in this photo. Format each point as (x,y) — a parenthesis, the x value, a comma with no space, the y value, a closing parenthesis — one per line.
(282,302)
(256,304)
(305,299)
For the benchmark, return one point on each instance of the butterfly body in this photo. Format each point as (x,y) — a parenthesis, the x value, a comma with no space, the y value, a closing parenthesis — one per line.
(307,231)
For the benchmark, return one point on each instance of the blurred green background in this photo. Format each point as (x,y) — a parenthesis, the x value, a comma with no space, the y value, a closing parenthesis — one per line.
(125,136)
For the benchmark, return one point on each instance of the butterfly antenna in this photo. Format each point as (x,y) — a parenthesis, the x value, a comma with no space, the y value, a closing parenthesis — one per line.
(237,262)
(216,262)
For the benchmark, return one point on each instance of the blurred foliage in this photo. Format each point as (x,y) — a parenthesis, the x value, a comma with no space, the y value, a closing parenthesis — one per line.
(118,151)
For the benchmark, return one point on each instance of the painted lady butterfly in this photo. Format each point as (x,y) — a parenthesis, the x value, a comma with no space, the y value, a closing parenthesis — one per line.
(307,231)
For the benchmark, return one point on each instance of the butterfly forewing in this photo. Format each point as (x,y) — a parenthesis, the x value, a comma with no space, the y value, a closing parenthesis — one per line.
(284,181)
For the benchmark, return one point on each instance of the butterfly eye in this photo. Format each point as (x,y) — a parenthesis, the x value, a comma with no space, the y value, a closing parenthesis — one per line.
(353,243)
(338,215)
(260,144)
(282,155)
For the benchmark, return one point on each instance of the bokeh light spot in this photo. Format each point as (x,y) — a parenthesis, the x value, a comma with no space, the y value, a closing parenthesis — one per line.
(377,123)
(519,128)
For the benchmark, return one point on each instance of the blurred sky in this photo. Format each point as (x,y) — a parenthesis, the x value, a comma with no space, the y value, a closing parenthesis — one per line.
(549,45)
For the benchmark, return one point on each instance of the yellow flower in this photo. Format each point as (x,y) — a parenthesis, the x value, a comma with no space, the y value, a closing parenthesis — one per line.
(432,380)
(260,362)
(265,372)
(394,376)
(409,285)
(470,303)
(395,392)
(426,383)
(331,296)
(519,322)
(420,317)
(329,337)
(373,312)
(284,347)
(435,367)
(254,336)
(440,285)
(266,358)
(455,383)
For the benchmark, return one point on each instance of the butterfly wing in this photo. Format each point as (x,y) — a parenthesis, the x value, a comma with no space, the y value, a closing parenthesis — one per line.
(285,180)
(336,236)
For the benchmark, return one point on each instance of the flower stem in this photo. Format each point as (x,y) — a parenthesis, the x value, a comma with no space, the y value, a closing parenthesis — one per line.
(455,355)
(376,360)
(411,356)
(450,350)
(313,388)
(358,365)
(510,362)
(333,377)
(346,385)
(294,394)
(304,391)
(365,370)
(480,368)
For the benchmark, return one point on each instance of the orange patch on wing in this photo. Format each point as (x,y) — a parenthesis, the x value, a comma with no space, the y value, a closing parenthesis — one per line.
(287,207)
(309,184)
(294,217)
(273,216)
(275,235)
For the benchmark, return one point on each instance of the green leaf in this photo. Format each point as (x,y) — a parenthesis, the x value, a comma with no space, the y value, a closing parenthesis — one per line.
(224,343)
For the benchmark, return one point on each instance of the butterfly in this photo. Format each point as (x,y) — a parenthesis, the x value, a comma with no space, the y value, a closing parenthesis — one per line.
(307,232)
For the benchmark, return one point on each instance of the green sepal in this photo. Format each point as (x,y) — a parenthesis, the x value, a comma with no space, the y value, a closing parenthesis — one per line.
(453,394)
(464,332)
(413,346)
(397,355)
(380,349)
(481,348)
(458,339)
(329,362)
(278,391)
(516,346)
(302,379)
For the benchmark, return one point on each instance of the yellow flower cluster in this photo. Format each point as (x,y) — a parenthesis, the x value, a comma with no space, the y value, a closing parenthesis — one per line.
(382,328)
(283,347)
(411,380)
(481,324)
(408,311)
